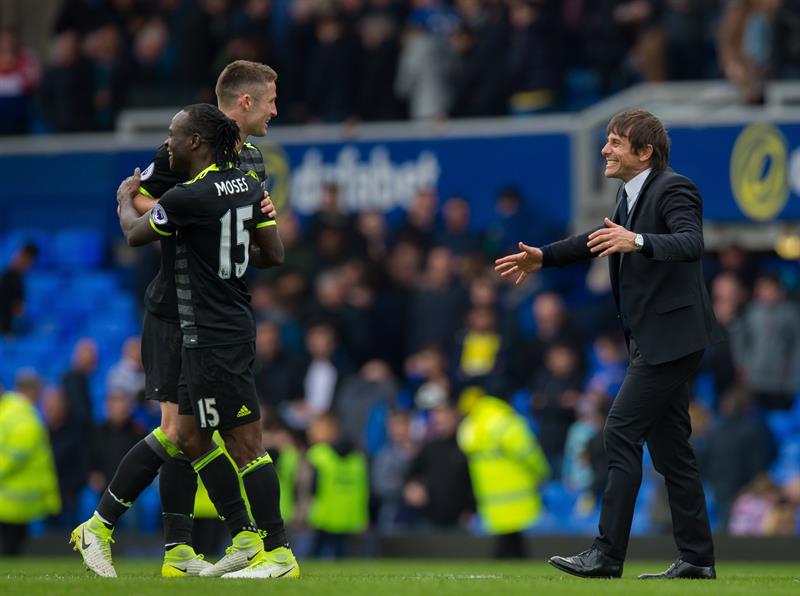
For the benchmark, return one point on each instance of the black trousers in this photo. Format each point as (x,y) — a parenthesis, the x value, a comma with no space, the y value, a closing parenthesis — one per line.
(653,406)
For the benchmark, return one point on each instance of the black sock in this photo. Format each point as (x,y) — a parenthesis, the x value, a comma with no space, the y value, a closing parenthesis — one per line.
(222,484)
(177,483)
(134,474)
(263,491)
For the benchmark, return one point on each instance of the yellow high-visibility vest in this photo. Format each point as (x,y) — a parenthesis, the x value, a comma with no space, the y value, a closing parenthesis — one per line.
(340,504)
(506,465)
(28,480)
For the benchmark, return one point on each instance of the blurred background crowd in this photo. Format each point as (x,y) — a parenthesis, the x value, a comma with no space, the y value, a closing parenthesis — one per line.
(79,62)
(382,331)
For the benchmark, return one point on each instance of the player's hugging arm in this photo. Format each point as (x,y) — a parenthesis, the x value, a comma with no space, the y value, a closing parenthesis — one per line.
(138,229)
(267,247)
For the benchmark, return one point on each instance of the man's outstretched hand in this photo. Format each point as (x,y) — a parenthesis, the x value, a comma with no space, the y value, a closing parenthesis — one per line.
(520,264)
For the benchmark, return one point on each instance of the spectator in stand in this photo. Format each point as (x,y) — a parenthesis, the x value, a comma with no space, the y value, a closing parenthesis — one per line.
(332,290)
(373,237)
(427,365)
(19,78)
(127,375)
(75,383)
(362,404)
(69,442)
(481,37)
(103,47)
(456,234)
(478,350)
(745,45)
(324,370)
(556,391)
(67,83)
(769,345)
(686,25)
(533,62)
(394,284)
(728,298)
(419,227)
(438,483)
(438,303)
(576,472)
(738,448)
(200,38)
(388,472)
(112,439)
(425,65)
(509,222)
(552,325)
(785,63)
(752,508)
(153,65)
(609,366)
(331,71)
(375,99)
(12,290)
(278,371)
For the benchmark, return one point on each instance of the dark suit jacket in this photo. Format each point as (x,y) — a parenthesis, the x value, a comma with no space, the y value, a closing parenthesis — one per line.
(664,294)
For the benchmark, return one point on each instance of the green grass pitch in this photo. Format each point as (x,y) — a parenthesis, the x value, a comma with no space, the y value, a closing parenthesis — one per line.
(57,576)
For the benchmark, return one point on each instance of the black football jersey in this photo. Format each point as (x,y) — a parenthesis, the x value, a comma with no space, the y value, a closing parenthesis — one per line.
(212,217)
(160,298)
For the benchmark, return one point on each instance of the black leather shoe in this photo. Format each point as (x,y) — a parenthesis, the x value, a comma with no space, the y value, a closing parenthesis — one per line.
(590,563)
(680,569)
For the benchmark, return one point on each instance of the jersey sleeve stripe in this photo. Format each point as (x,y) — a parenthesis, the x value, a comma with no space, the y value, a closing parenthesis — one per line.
(269,222)
(163,233)
(145,192)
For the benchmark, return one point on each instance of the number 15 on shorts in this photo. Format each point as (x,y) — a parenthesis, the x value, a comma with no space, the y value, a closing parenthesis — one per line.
(209,417)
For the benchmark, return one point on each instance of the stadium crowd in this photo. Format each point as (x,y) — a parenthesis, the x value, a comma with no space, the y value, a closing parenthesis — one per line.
(380,332)
(368,60)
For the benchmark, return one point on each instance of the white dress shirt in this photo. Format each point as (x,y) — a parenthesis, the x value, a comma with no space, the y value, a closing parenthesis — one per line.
(633,187)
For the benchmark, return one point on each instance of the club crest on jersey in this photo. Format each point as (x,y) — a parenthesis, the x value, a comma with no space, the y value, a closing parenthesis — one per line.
(148,171)
(159,215)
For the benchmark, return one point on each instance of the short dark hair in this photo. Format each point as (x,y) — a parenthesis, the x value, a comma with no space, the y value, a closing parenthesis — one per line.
(641,129)
(242,76)
(217,129)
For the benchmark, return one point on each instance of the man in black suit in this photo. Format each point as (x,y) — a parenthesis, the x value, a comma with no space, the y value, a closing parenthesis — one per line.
(655,244)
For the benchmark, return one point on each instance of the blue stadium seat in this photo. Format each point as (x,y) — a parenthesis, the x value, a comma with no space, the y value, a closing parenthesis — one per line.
(704,390)
(42,289)
(558,500)
(787,464)
(94,287)
(78,249)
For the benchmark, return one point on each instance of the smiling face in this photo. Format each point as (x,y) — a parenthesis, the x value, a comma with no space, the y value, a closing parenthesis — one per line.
(259,110)
(179,143)
(621,161)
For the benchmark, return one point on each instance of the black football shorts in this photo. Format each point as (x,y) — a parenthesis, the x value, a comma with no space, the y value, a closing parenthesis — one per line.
(218,386)
(161,358)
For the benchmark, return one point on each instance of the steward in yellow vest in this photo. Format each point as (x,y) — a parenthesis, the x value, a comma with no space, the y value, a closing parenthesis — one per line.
(506,466)
(340,490)
(28,481)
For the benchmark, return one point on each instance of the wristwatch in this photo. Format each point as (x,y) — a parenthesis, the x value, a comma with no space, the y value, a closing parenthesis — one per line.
(638,242)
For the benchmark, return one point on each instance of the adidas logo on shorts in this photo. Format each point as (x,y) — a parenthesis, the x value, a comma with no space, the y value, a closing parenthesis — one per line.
(243,411)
